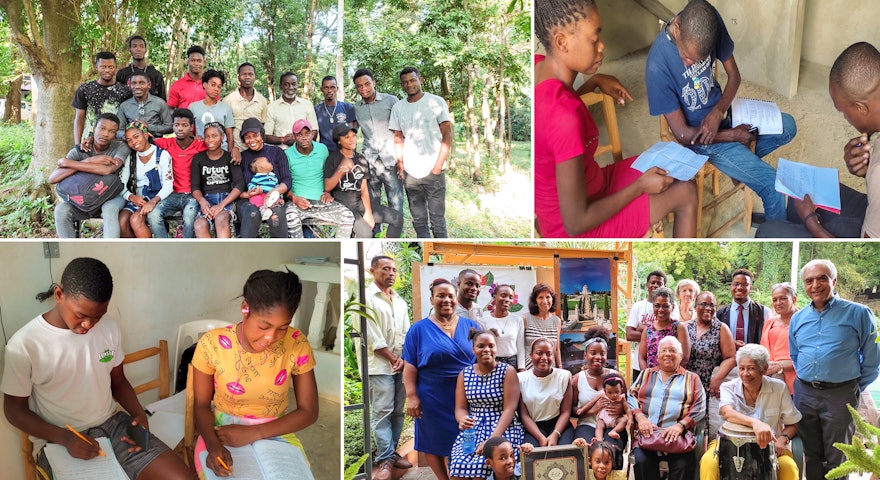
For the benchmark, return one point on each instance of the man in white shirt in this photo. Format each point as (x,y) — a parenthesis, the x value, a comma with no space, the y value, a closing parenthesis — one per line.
(641,315)
(385,334)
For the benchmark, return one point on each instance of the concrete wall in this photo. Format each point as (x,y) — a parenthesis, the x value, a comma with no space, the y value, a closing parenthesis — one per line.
(157,285)
(832,25)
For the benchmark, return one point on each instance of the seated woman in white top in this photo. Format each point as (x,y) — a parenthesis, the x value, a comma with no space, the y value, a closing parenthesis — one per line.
(545,406)
(762,403)
(509,326)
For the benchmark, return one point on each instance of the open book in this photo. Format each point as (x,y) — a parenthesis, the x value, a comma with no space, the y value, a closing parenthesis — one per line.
(65,467)
(263,459)
(763,114)
(799,179)
(681,163)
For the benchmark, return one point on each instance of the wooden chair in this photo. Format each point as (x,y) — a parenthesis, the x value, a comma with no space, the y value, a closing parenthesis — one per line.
(190,435)
(32,472)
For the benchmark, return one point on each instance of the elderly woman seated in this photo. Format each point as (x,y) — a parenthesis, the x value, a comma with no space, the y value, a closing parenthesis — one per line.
(761,403)
(669,398)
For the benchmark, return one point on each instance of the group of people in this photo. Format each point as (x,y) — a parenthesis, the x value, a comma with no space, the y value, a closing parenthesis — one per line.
(459,372)
(139,159)
(63,377)
(574,197)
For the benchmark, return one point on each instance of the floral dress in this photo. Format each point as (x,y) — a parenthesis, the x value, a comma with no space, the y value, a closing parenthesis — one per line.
(653,339)
(705,351)
(485,398)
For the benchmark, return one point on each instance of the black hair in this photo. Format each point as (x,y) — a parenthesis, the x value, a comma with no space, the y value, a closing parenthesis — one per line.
(107,116)
(599,445)
(856,71)
(245,64)
(265,289)
(440,281)
(498,287)
(407,70)
(375,261)
(195,49)
(613,378)
(743,271)
(328,77)
(219,126)
(597,331)
(656,273)
(141,74)
(135,37)
(699,25)
(183,113)
(464,272)
(553,14)
(86,277)
(361,72)
(211,73)
(104,56)
(473,333)
(540,340)
(664,292)
(491,444)
(287,74)
(533,297)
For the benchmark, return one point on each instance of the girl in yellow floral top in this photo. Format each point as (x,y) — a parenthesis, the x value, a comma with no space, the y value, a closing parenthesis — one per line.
(247,370)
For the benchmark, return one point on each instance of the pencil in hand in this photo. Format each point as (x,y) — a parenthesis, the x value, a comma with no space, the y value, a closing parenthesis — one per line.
(100,452)
(223,464)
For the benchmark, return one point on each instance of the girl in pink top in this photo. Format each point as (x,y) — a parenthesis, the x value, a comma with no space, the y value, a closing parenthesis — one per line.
(573,195)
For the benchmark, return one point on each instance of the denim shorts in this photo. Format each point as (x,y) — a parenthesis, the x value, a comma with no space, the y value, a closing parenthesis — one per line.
(215,199)
(115,428)
(133,208)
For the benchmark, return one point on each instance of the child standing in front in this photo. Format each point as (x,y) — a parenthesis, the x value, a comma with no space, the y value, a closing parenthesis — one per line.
(65,367)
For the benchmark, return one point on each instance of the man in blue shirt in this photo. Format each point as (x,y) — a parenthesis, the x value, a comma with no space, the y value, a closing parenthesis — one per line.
(682,87)
(332,112)
(833,344)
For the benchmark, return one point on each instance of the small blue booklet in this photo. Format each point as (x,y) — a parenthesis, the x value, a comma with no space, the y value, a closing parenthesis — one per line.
(798,179)
(681,163)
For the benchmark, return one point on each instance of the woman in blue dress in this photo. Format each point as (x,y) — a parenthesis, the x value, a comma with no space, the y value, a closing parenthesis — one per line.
(486,399)
(435,350)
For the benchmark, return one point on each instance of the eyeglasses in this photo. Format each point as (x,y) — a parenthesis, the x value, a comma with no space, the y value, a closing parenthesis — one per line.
(706,305)
(738,284)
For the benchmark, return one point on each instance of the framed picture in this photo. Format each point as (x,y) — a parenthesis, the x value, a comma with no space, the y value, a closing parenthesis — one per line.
(555,463)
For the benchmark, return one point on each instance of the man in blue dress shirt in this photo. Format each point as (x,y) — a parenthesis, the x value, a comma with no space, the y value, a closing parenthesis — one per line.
(836,356)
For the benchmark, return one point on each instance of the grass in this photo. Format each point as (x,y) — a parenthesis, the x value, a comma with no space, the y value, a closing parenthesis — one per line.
(24,212)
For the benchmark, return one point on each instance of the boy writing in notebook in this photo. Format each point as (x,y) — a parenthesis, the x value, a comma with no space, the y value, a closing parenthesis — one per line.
(65,368)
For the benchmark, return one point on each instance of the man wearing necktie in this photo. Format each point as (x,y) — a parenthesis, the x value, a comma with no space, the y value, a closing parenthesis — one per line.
(833,345)
(744,316)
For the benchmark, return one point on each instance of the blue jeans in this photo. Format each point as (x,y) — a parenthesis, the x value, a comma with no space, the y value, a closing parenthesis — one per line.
(427,200)
(248,215)
(739,163)
(387,397)
(384,176)
(66,215)
(846,224)
(176,202)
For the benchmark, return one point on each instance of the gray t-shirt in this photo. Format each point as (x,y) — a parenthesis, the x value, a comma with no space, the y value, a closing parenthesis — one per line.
(117,149)
(420,123)
(373,120)
(219,112)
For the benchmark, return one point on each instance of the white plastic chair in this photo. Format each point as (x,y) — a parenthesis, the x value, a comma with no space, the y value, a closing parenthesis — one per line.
(189,333)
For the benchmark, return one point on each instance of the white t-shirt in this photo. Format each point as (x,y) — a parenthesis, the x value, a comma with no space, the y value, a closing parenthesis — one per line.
(641,313)
(420,124)
(543,395)
(66,375)
(511,330)
(586,394)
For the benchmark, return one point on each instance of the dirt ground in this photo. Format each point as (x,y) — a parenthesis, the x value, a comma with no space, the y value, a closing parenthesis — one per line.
(822,130)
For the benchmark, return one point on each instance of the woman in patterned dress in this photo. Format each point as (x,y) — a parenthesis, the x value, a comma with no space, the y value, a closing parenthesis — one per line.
(663,326)
(541,322)
(486,399)
(712,354)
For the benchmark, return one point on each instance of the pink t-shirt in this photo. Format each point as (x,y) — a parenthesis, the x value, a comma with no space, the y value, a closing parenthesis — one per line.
(564,129)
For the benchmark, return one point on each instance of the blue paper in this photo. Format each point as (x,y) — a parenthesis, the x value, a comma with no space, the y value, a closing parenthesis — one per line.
(681,163)
(799,179)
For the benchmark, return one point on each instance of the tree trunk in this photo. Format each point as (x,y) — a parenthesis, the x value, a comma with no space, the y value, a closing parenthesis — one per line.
(269,11)
(53,55)
(340,75)
(12,112)
(473,140)
(502,112)
(306,85)
(488,126)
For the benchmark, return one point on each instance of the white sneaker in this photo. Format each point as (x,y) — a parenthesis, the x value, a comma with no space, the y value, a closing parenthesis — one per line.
(265,213)
(272,199)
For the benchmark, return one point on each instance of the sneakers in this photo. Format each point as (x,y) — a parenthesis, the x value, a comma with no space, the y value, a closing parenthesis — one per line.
(272,199)
(400,462)
(383,470)
(265,212)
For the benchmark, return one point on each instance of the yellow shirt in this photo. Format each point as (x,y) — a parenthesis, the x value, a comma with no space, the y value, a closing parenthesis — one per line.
(252,384)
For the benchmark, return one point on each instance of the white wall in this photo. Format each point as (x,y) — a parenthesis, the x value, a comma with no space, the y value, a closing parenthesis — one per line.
(157,285)
(832,25)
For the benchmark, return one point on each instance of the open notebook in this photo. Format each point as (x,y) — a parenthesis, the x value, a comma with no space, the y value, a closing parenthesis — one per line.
(763,114)
(65,467)
(264,459)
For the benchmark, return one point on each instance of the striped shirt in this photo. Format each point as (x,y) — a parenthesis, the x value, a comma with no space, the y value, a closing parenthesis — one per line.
(680,398)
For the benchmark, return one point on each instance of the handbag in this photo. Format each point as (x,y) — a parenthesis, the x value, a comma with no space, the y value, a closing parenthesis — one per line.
(656,443)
